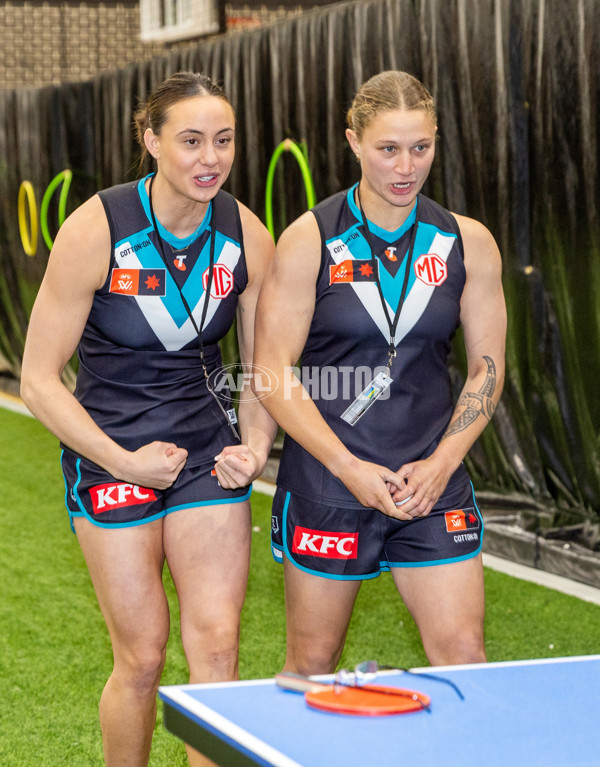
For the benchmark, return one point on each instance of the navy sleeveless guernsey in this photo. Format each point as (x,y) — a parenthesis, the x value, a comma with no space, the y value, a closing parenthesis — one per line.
(140,376)
(349,339)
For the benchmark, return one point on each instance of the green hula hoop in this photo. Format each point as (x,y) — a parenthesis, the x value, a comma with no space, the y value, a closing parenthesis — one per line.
(63,177)
(287,146)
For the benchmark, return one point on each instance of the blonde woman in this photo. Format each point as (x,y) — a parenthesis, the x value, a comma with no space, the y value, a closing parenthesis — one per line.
(368,290)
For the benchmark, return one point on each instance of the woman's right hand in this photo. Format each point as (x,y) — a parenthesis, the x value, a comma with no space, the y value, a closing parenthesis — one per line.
(370,484)
(156,465)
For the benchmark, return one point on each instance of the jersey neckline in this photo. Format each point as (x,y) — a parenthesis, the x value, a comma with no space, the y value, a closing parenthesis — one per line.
(177,243)
(383,234)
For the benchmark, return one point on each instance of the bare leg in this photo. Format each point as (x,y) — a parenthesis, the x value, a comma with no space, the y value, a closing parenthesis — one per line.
(208,552)
(126,570)
(447,603)
(318,612)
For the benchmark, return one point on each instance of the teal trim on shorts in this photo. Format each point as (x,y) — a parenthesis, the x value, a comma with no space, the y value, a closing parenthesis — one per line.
(117,525)
(62,452)
(83,513)
(307,569)
(277,553)
(448,561)
(237,499)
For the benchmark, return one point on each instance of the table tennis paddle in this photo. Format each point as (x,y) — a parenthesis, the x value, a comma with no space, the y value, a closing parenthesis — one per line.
(363,700)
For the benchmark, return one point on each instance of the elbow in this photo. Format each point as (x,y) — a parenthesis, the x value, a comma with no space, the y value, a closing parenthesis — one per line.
(27,390)
(263,383)
(32,388)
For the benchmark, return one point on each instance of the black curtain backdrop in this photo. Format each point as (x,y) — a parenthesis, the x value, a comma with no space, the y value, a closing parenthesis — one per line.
(516,86)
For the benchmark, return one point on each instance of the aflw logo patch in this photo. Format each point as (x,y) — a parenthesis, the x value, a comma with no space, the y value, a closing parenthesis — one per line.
(319,543)
(352,270)
(461,519)
(118,495)
(138,282)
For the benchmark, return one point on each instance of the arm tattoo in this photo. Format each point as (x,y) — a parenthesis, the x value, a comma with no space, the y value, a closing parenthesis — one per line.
(475,403)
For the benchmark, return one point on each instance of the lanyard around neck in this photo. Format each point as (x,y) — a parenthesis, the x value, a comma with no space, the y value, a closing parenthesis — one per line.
(211,269)
(392,323)
(169,268)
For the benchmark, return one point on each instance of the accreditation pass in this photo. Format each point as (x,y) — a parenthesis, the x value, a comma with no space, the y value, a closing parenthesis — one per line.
(366,398)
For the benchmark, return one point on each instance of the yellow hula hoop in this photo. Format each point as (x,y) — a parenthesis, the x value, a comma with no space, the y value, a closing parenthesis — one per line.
(29,240)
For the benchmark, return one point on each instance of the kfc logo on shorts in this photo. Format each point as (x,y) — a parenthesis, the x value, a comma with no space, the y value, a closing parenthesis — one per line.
(119,495)
(431,269)
(461,519)
(321,543)
(222,281)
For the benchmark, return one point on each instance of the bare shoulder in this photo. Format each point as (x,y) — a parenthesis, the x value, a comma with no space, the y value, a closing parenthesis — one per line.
(83,243)
(258,245)
(303,231)
(297,259)
(300,243)
(88,219)
(474,232)
(481,250)
(252,226)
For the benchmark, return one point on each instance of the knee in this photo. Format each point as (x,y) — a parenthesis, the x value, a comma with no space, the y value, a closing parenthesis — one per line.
(222,639)
(140,669)
(461,646)
(318,656)
(212,650)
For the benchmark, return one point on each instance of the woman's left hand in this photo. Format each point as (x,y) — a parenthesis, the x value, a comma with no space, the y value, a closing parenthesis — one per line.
(425,480)
(236,466)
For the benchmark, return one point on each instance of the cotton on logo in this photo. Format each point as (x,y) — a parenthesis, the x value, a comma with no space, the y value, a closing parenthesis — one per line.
(222,281)
(115,496)
(319,543)
(431,269)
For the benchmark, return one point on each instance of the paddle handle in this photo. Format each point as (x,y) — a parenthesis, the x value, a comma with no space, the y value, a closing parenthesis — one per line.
(298,683)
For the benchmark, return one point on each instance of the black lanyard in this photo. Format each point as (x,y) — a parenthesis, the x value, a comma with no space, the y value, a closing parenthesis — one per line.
(211,269)
(392,324)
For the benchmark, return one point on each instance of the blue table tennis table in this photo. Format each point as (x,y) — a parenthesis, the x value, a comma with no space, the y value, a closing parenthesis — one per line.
(539,713)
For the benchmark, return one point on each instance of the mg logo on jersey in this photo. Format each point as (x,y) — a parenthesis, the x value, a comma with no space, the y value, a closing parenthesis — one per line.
(431,269)
(119,494)
(321,543)
(461,519)
(222,281)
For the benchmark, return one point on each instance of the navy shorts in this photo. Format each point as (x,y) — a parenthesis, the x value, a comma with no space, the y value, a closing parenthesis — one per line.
(108,502)
(360,543)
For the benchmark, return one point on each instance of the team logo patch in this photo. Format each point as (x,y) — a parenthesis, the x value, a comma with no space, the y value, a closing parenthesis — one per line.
(138,282)
(431,269)
(321,543)
(357,270)
(222,281)
(117,495)
(461,519)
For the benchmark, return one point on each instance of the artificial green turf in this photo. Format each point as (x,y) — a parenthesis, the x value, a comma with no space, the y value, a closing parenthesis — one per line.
(54,651)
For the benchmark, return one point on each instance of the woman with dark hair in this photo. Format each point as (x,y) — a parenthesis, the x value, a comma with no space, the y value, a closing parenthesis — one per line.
(144,280)
(368,289)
